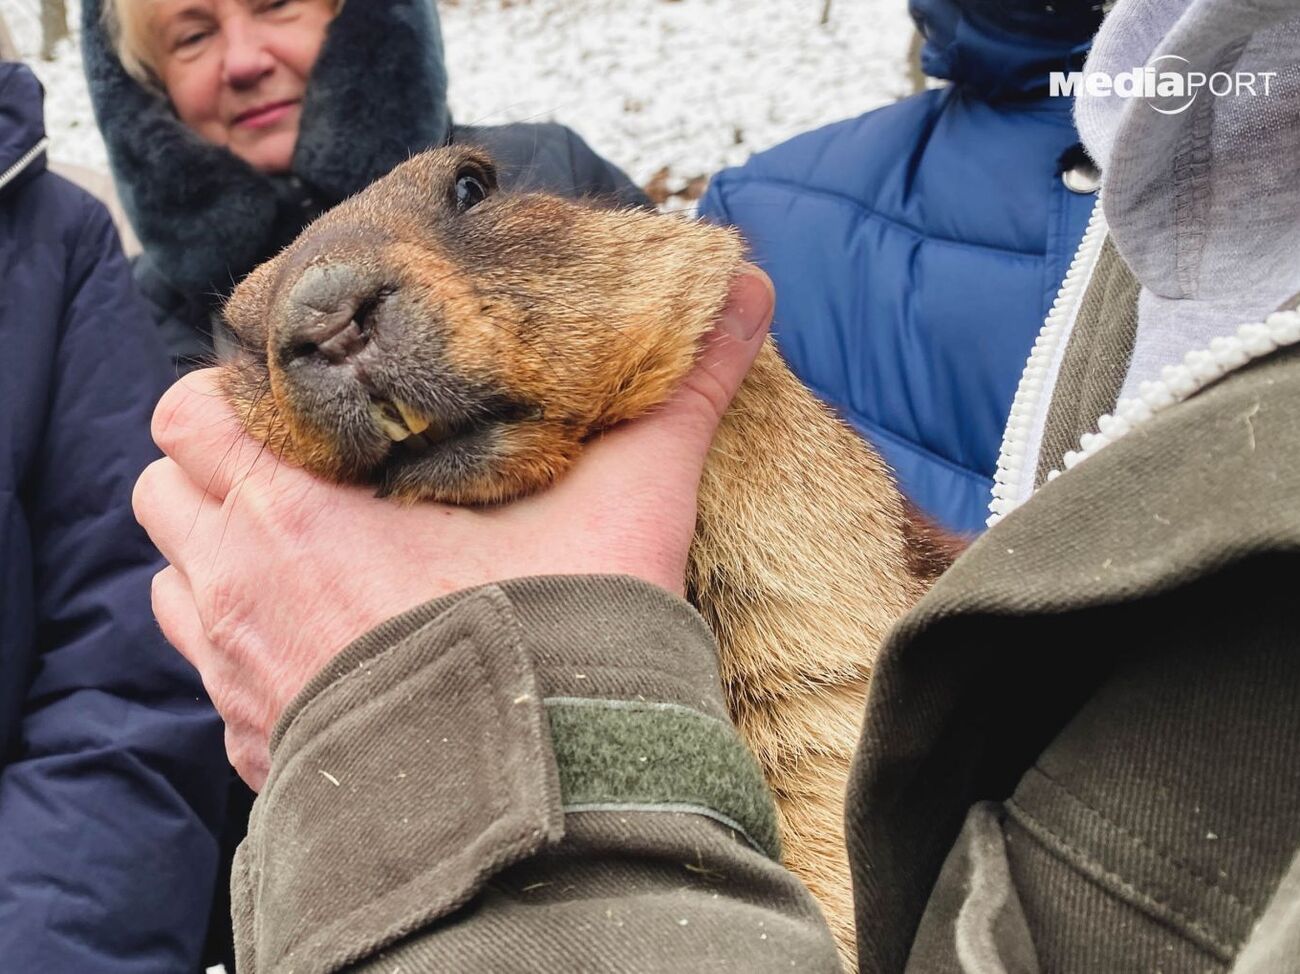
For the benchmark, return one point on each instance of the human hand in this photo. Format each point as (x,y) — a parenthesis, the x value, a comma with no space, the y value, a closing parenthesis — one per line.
(273,572)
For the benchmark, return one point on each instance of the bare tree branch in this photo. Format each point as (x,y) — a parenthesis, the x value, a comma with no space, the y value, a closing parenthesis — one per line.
(8,49)
(914,73)
(54,26)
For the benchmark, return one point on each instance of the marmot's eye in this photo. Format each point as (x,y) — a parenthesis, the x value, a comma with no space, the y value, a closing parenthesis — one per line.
(471,190)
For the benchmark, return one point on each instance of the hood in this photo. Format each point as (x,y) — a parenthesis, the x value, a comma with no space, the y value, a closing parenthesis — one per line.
(378,94)
(1202,198)
(22,124)
(1003,48)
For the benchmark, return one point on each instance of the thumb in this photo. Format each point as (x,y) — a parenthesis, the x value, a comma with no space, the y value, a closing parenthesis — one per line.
(728,350)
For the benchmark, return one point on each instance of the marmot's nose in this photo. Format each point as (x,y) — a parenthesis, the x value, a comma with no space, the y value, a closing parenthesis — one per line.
(329,314)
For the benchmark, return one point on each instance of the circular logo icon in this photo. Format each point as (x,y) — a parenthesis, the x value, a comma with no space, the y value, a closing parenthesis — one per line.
(1178,76)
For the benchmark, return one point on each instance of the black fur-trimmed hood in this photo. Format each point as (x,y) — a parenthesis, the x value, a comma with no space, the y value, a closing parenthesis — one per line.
(378,93)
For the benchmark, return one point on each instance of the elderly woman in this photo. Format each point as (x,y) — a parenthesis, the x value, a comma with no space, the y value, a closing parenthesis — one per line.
(231,124)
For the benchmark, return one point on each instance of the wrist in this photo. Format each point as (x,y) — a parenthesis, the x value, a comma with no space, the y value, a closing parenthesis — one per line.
(607,636)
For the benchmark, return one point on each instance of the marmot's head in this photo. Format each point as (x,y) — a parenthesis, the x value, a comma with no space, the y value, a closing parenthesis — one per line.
(441,339)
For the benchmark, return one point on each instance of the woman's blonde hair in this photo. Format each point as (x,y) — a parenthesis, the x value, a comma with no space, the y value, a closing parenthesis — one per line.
(127,25)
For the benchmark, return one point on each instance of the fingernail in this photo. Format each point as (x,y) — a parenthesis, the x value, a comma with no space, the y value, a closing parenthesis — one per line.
(752,298)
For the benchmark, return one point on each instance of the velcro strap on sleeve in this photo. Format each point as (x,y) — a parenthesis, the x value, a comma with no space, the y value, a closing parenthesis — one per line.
(638,755)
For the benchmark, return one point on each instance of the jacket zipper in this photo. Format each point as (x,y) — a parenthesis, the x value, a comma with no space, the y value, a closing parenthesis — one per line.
(25,160)
(1037,379)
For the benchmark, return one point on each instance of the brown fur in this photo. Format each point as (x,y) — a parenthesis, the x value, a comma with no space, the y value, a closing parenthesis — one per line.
(578,318)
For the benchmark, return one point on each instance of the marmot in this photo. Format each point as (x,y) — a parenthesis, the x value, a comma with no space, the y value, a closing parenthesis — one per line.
(489,335)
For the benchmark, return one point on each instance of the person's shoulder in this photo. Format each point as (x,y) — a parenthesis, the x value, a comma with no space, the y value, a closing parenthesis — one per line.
(832,158)
(549,157)
(536,133)
(52,206)
(524,151)
(54,215)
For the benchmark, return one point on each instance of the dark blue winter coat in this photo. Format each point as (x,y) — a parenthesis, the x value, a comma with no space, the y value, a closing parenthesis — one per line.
(112,775)
(917,249)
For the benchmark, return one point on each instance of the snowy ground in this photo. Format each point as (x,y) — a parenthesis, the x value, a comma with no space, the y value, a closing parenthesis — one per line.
(690,85)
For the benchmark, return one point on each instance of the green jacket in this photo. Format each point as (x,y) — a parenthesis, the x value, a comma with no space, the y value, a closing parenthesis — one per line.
(1080,750)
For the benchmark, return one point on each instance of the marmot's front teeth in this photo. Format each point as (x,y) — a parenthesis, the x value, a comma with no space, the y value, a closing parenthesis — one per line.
(389,420)
(400,422)
(415,421)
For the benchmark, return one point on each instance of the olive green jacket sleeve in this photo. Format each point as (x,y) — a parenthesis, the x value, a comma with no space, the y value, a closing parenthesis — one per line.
(539,776)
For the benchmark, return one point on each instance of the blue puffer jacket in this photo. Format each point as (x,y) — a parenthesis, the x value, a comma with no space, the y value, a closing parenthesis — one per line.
(112,779)
(917,249)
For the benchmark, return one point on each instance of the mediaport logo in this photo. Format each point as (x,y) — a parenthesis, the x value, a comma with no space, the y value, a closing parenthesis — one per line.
(1168,84)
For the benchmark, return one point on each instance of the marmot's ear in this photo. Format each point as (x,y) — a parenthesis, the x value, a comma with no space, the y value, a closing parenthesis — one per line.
(248,310)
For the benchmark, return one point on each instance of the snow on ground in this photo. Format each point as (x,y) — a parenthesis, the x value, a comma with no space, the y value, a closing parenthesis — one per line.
(694,85)
(691,85)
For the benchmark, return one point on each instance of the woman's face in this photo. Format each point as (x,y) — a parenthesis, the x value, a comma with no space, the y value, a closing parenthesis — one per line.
(236,70)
